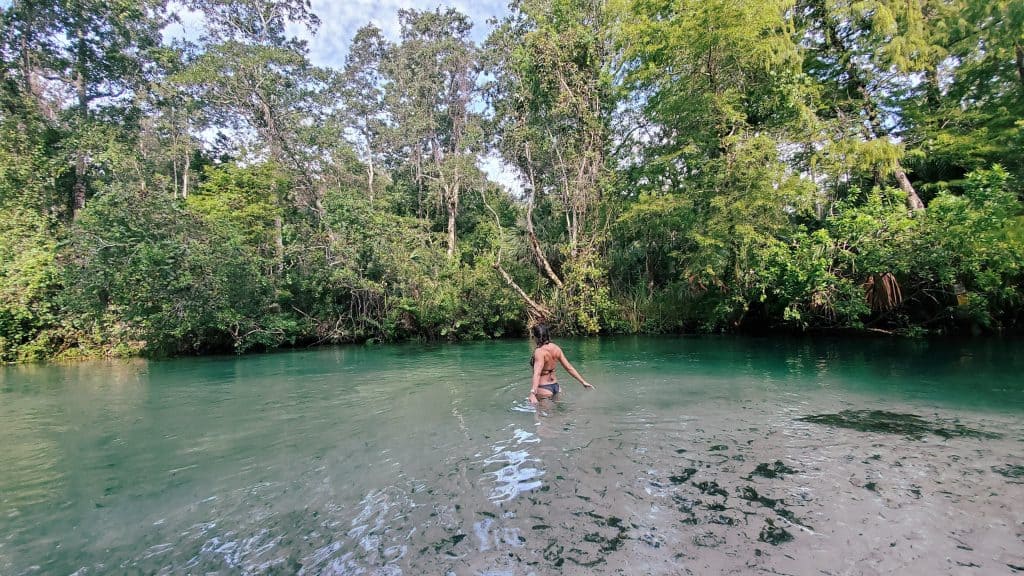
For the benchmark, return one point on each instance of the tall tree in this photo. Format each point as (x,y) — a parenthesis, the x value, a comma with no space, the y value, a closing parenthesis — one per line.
(255,79)
(85,61)
(553,97)
(363,91)
(433,96)
(722,96)
(971,118)
(868,56)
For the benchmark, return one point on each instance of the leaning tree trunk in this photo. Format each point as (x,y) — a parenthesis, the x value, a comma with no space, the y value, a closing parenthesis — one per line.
(913,200)
(531,234)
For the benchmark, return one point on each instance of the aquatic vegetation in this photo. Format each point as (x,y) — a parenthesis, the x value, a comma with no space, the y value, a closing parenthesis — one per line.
(775,470)
(1010,470)
(682,478)
(708,540)
(749,494)
(881,421)
(773,534)
(712,488)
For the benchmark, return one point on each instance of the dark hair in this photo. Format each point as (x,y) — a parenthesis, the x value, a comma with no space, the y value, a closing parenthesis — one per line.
(542,335)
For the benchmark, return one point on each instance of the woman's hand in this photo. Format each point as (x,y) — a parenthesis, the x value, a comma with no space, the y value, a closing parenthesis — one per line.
(532,397)
(587,385)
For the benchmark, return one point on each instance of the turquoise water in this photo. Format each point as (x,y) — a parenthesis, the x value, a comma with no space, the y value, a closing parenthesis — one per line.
(426,459)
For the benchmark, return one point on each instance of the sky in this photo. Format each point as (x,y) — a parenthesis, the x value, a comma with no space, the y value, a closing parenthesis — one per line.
(340,19)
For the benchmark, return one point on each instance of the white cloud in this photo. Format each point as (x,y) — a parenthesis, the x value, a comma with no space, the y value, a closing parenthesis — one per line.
(500,172)
(188,27)
(341,19)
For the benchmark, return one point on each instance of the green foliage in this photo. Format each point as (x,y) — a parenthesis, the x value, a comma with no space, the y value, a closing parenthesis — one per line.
(29,284)
(148,275)
(585,305)
(686,165)
(242,203)
(973,240)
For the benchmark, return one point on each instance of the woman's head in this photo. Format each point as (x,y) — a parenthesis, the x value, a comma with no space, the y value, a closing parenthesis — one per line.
(541,334)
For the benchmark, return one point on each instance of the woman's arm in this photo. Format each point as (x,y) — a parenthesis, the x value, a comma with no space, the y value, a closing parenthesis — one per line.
(572,371)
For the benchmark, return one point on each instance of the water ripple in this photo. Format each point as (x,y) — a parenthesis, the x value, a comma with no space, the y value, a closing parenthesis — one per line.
(515,473)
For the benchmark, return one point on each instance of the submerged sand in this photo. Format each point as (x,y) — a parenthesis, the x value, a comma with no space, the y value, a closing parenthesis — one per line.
(702,496)
(723,487)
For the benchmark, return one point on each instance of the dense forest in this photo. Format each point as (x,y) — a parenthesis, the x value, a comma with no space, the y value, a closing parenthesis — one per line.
(683,166)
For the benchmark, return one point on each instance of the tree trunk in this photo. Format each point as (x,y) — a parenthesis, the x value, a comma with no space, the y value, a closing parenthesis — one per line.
(418,162)
(451,231)
(188,159)
(452,203)
(174,176)
(535,245)
(369,177)
(542,261)
(185,174)
(1019,49)
(913,200)
(78,189)
(279,245)
(535,309)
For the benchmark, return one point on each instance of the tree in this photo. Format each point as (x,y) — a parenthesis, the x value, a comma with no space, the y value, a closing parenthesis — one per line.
(85,62)
(362,91)
(433,97)
(869,57)
(723,97)
(153,277)
(553,98)
(969,120)
(256,80)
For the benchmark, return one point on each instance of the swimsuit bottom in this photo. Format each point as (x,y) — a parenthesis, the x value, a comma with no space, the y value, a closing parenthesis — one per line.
(553,387)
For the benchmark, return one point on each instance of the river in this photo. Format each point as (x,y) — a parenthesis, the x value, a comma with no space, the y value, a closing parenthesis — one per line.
(710,455)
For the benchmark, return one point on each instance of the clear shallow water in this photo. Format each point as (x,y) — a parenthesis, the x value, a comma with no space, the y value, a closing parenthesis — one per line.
(419,459)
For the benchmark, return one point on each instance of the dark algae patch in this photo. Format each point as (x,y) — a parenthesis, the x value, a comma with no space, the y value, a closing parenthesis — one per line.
(775,470)
(773,534)
(711,488)
(749,494)
(683,477)
(1014,471)
(883,422)
(447,543)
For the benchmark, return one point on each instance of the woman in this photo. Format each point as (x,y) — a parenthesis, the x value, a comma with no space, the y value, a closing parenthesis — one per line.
(545,358)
